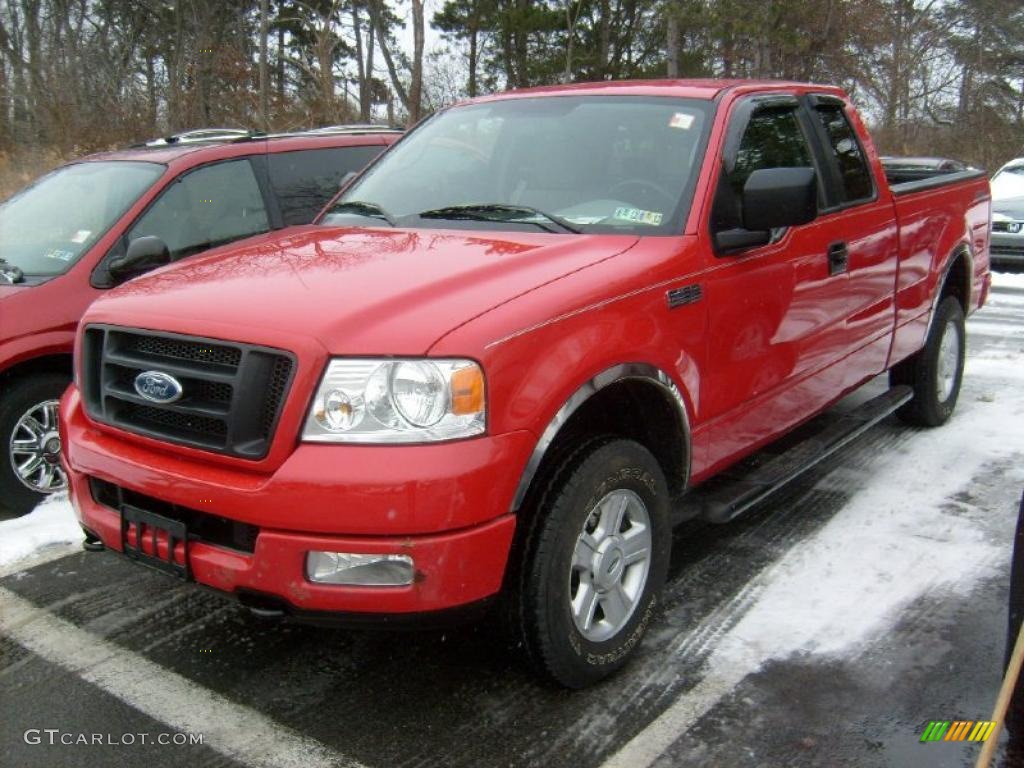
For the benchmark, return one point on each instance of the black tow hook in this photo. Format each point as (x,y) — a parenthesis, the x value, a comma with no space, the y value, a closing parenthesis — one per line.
(92,542)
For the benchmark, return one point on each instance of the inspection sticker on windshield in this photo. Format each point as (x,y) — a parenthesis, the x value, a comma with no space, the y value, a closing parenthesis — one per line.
(81,236)
(59,254)
(681,120)
(641,217)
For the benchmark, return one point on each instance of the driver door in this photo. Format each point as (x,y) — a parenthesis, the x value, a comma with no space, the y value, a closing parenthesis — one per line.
(777,316)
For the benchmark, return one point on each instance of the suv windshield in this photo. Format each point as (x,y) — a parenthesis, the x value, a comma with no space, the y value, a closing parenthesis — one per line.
(558,164)
(46,227)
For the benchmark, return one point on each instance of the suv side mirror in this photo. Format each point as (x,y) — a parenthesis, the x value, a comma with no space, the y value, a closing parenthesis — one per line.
(780,197)
(144,254)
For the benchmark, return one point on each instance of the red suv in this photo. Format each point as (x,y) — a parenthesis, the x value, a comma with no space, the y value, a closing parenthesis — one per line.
(101,220)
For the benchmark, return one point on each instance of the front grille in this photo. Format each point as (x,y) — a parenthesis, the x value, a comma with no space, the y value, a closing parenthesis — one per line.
(164,347)
(201,526)
(1007,250)
(231,394)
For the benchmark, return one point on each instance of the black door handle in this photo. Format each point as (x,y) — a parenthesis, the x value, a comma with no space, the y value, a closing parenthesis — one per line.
(838,258)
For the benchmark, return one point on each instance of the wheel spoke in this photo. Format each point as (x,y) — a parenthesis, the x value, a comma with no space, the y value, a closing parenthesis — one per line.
(584,605)
(30,445)
(49,416)
(613,511)
(36,429)
(616,605)
(583,555)
(636,547)
(30,466)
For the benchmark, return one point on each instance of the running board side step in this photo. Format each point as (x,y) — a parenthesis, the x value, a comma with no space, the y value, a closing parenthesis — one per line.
(727,500)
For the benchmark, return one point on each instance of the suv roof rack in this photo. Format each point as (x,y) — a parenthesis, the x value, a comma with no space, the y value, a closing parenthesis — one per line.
(350,128)
(200,134)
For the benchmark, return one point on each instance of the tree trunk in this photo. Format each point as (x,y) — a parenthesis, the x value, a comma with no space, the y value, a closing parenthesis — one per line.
(280,64)
(364,83)
(474,35)
(672,44)
(416,85)
(378,26)
(264,73)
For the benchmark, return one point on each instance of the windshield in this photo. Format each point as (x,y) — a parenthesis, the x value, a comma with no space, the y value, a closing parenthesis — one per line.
(46,227)
(560,164)
(1008,183)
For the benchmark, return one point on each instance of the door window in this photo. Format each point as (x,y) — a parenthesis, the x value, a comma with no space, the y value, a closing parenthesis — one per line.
(207,207)
(306,179)
(854,176)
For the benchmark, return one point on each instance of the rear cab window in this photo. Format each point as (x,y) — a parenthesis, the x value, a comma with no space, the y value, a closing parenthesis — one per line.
(854,181)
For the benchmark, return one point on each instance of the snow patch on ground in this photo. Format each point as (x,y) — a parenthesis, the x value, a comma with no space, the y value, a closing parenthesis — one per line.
(896,540)
(52,522)
(1008,279)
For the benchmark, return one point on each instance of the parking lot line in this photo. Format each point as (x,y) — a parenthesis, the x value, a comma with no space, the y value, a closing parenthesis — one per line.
(647,746)
(233,730)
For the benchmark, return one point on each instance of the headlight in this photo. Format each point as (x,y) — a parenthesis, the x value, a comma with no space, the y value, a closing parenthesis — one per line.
(397,401)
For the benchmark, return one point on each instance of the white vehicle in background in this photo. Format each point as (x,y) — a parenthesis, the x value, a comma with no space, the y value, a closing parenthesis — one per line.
(1007,245)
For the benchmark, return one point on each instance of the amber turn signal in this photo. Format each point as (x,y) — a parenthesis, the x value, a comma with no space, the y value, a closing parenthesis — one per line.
(467,390)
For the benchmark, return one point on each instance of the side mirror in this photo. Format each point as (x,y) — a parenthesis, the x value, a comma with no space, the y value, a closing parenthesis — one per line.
(773,198)
(780,197)
(144,254)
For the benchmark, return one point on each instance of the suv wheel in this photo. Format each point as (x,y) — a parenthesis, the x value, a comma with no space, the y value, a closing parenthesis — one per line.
(596,560)
(30,467)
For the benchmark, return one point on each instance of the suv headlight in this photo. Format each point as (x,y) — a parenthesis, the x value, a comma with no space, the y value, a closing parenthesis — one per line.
(417,400)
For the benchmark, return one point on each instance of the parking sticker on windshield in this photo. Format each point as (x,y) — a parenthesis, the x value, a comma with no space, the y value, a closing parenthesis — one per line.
(681,120)
(653,218)
(60,254)
(81,236)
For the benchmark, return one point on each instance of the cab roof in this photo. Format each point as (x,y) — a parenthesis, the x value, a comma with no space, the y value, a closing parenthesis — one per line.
(688,89)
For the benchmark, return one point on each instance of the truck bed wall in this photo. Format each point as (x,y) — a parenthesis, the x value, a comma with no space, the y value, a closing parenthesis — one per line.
(937,218)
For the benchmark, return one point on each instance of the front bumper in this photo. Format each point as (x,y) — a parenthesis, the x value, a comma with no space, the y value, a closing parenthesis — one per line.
(445,505)
(1006,249)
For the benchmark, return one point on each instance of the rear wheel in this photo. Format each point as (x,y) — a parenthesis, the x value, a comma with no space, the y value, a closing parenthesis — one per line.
(935,372)
(596,560)
(30,466)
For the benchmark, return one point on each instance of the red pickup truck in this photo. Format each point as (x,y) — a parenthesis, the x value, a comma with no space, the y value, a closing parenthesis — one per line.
(515,351)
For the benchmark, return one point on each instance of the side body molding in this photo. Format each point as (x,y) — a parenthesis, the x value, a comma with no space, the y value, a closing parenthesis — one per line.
(613,375)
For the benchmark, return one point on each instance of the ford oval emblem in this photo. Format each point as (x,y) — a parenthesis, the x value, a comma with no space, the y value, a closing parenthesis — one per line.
(158,387)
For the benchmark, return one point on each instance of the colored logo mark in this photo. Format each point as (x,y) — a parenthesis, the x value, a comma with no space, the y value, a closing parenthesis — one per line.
(957,730)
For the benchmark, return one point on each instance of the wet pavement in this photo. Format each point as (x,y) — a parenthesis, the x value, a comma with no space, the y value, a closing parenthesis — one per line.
(99,645)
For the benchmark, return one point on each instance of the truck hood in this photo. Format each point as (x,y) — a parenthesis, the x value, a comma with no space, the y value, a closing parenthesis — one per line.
(357,291)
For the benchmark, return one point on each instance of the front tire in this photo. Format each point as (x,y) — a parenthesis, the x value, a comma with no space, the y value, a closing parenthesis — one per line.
(30,466)
(596,560)
(936,372)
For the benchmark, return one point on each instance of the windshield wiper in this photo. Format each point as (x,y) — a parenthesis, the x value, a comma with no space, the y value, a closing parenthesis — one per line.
(494,211)
(362,208)
(10,274)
